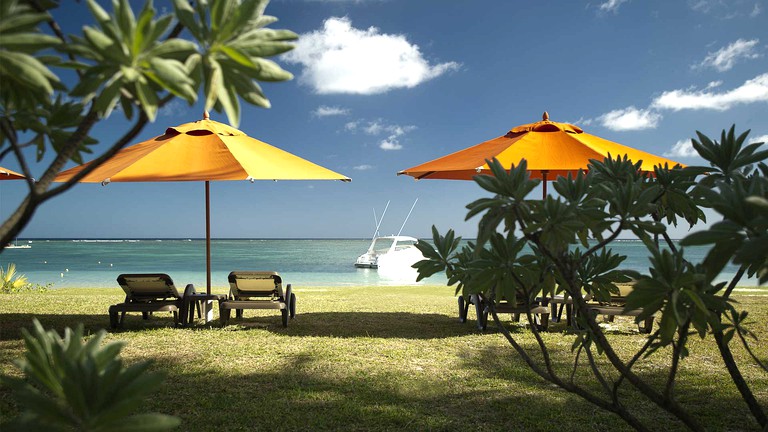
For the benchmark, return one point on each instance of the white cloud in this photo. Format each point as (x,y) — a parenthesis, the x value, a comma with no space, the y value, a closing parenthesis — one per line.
(391,143)
(362,167)
(630,118)
(714,84)
(379,127)
(351,126)
(726,9)
(172,109)
(342,59)
(611,5)
(760,138)
(724,58)
(754,90)
(682,148)
(325,111)
(374,128)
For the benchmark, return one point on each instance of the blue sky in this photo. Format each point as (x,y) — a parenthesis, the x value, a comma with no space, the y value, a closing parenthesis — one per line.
(383,85)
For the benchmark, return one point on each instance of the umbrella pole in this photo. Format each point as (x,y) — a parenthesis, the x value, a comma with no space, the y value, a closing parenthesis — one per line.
(207,237)
(544,181)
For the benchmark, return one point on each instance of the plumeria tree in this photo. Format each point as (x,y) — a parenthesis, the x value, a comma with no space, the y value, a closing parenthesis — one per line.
(529,250)
(57,87)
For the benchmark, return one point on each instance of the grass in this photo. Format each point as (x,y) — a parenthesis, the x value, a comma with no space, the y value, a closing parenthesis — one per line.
(379,358)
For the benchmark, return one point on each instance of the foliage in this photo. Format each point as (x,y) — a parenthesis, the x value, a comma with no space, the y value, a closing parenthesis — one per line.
(562,246)
(12,281)
(73,384)
(58,87)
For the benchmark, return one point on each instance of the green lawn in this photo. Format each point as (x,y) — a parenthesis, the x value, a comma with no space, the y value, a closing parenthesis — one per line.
(378,358)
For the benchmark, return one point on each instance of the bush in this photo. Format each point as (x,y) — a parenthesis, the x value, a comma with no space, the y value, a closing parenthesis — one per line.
(13,283)
(77,385)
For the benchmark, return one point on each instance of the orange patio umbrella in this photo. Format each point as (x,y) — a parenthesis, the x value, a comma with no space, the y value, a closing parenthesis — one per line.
(551,150)
(207,151)
(6,174)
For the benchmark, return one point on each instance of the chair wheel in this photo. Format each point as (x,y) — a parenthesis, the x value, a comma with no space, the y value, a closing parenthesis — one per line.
(285,314)
(293,305)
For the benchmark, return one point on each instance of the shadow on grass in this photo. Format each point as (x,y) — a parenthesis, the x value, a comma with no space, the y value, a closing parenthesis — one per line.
(708,395)
(303,397)
(11,324)
(403,325)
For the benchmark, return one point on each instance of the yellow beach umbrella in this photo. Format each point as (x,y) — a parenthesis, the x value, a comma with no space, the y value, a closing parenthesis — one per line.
(207,151)
(551,149)
(6,174)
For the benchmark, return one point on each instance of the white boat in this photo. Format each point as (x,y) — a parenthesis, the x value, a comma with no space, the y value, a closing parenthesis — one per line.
(390,252)
(16,245)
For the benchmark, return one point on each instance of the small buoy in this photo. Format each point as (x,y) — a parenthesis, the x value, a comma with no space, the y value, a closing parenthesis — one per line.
(62,275)
(66,270)
(45,262)
(99,262)
(110,264)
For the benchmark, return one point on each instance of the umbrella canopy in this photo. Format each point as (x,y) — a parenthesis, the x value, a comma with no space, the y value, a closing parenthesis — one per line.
(204,150)
(551,149)
(6,174)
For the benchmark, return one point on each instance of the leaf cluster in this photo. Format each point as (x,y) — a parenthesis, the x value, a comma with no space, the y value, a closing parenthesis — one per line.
(563,244)
(136,62)
(73,384)
(235,43)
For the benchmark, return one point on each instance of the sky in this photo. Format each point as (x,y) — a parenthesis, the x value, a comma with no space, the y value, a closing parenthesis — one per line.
(384,85)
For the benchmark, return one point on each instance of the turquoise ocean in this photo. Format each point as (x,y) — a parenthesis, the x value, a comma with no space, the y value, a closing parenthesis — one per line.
(301,262)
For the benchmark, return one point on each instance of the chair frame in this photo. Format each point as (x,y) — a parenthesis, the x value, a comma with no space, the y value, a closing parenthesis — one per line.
(617,305)
(240,299)
(148,302)
(540,311)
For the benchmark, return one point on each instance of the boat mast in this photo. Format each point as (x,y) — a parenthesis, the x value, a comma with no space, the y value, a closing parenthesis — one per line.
(378,222)
(409,215)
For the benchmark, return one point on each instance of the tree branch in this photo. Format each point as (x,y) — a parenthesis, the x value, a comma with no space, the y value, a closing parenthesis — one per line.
(677,349)
(141,122)
(738,379)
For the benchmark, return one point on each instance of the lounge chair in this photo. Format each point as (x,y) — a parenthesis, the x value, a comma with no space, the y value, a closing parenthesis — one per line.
(257,290)
(615,306)
(563,301)
(540,311)
(148,293)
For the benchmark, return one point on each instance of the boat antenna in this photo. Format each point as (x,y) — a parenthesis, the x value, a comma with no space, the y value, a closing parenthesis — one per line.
(378,223)
(409,215)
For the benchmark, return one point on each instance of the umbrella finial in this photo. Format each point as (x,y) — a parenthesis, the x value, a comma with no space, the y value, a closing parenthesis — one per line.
(545,116)
(206,116)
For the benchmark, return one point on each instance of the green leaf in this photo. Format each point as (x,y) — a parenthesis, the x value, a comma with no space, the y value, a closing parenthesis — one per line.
(28,42)
(21,22)
(26,71)
(270,71)
(238,56)
(172,75)
(148,100)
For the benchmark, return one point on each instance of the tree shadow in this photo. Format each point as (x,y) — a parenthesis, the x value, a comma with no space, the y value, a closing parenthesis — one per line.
(713,400)
(12,323)
(302,397)
(403,325)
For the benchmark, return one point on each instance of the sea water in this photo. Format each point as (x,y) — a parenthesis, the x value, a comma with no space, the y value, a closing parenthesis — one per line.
(301,262)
